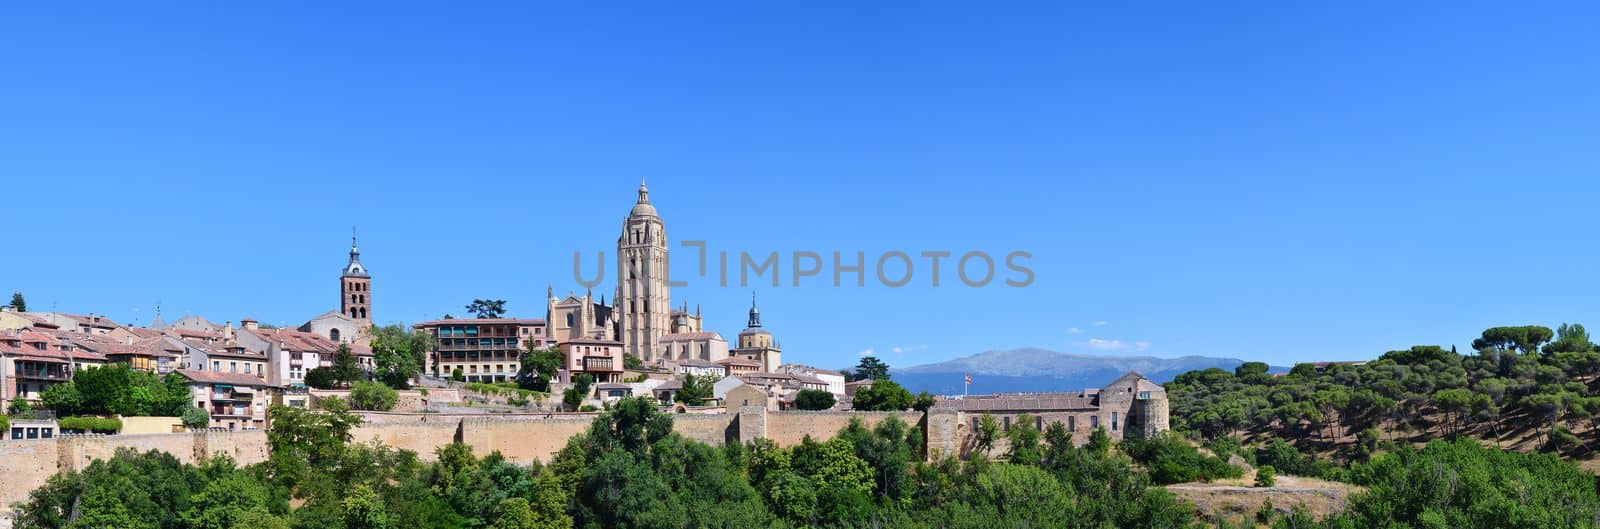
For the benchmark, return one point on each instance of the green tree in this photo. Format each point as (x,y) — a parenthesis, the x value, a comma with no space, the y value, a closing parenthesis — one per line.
(1570,338)
(1266,476)
(539,366)
(632,362)
(225,502)
(1024,441)
(882,395)
(487,308)
(1525,338)
(695,390)
(195,418)
(18,303)
(456,375)
(321,378)
(871,368)
(373,396)
(64,399)
(398,355)
(19,406)
(923,402)
(345,368)
(813,399)
(988,432)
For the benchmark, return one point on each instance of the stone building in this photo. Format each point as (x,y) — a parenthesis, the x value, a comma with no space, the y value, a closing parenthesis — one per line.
(757,344)
(484,349)
(1131,406)
(601,359)
(643,300)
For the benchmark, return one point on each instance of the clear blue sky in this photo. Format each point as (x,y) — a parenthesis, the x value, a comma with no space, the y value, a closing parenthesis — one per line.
(1257,180)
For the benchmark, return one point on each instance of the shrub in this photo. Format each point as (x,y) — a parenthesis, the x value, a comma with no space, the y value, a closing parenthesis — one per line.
(320,378)
(1172,460)
(373,396)
(91,424)
(195,418)
(19,407)
(588,407)
(813,399)
(423,391)
(5,425)
(1266,476)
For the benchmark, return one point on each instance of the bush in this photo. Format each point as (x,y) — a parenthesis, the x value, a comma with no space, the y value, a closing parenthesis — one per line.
(373,396)
(91,424)
(1170,460)
(196,418)
(1266,476)
(5,426)
(320,378)
(19,407)
(813,399)
(588,407)
(457,376)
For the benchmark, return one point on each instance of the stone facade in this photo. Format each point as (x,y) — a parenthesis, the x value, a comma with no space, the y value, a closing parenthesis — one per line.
(1131,406)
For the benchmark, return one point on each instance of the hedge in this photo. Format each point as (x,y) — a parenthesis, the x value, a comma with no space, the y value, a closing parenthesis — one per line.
(91,424)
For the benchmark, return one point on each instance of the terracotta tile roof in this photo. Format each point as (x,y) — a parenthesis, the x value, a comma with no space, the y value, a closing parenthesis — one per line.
(592,341)
(687,336)
(1033,402)
(695,362)
(802,368)
(738,361)
(479,321)
(213,377)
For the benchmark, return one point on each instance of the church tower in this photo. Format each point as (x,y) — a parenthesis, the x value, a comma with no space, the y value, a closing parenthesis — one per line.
(354,285)
(642,301)
(756,343)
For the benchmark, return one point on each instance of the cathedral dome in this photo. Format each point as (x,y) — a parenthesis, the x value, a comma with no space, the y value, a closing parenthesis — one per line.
(643,208)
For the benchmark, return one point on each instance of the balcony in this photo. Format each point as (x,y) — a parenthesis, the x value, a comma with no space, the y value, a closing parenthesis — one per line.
(43,374)
(230,413)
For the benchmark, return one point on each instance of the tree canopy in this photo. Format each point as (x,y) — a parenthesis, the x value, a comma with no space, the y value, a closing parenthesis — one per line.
(487,308)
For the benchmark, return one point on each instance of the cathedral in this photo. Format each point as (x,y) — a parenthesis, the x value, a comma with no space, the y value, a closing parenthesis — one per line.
(640,314)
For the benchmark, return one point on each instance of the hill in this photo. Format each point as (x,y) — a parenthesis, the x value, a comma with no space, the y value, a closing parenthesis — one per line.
(1031,369)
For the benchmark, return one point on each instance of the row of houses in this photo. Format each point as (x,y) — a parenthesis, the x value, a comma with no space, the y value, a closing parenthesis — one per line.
(234,373)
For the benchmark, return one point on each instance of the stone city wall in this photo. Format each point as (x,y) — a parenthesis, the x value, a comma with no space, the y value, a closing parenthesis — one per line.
(522,438)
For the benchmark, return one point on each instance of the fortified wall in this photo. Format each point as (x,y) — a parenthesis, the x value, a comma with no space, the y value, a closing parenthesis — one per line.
(27,464)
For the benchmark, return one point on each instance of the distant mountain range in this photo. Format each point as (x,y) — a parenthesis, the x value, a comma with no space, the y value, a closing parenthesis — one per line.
(1033,370)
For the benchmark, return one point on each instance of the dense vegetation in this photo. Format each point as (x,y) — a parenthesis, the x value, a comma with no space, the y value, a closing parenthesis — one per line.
(117,389)
(629,470)
(1527,385)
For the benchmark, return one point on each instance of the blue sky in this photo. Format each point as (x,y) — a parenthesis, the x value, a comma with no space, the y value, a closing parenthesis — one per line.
(1256,180)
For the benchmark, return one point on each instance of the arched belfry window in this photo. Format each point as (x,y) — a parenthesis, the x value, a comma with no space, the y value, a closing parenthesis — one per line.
(569,319)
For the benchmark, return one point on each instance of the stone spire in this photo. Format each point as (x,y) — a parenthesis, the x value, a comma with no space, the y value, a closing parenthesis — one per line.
(354,268)
(755,314)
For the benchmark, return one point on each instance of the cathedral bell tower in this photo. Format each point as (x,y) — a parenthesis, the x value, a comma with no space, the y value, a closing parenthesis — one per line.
(354,289)
(642,299)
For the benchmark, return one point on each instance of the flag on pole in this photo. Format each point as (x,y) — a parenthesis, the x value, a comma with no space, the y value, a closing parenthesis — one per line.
(969,379)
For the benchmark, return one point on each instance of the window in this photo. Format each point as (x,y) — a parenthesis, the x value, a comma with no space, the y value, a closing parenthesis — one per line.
(333,334)
(1072,423)
(233,367)
(1008,424)
(216,365)
(1094,421)
(1113,421)
(1038,423)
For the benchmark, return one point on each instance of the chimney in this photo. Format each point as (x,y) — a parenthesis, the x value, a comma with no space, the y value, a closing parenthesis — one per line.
(227,331)
(250,324)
